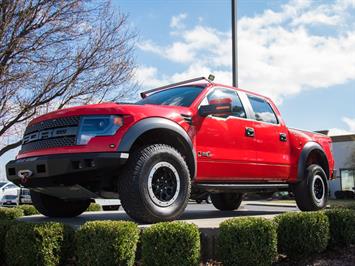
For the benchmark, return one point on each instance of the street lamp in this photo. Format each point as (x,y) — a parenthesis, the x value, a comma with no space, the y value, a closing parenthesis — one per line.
(234,43)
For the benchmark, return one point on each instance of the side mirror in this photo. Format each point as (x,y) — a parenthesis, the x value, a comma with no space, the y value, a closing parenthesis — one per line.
(221,106)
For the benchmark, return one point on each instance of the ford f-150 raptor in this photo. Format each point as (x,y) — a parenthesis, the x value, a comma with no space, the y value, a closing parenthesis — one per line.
(178,142)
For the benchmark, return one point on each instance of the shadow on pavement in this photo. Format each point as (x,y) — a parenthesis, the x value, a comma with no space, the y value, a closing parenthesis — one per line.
(203,216)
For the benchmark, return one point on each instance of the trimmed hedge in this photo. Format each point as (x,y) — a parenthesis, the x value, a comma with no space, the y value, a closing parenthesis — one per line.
(247,241)
(4,227)
(28,209)
(94,207)
(171,243)
(38,244)
(302,233)
(107,243)
(342,227)
(10,213)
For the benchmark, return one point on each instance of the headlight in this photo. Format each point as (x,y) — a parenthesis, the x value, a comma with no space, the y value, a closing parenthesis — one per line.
(101,125)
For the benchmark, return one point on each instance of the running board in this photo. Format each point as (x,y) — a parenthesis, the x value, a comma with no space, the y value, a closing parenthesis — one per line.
(245,187)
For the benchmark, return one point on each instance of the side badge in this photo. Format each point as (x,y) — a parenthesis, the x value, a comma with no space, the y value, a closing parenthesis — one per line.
(204,154)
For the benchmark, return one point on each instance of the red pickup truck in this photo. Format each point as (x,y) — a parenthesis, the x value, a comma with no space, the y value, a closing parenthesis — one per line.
(178,142)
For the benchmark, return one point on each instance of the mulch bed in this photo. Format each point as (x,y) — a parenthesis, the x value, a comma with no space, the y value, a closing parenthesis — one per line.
(331,257)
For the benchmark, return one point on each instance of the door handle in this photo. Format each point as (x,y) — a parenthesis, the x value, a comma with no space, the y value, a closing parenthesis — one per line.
(249,132)
(283,137)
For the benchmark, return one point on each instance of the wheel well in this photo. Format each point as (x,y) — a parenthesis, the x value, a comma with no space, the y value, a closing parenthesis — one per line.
(169,137)
(318,157)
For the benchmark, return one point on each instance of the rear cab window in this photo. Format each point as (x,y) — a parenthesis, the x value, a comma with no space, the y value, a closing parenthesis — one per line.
(262,110)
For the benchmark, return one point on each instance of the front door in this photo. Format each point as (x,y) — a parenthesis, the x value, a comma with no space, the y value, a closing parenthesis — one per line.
(224,150)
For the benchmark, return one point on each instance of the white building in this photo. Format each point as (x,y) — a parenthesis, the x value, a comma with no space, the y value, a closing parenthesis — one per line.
(344,156)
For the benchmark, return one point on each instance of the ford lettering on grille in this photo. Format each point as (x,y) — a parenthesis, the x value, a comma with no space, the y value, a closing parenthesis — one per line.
(50,133)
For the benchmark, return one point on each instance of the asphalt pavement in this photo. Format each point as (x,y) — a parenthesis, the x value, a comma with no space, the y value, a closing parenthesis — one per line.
(203,215)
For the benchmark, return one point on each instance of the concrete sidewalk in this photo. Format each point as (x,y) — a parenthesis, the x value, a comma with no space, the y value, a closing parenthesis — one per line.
(203,215)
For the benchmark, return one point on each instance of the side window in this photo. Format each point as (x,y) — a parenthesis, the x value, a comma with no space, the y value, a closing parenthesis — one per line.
(220,93)
(262,109)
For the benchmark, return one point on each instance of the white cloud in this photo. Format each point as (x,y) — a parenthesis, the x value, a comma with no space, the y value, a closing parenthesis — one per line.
(177,21)
(148,76)
(350,123)
(279,52)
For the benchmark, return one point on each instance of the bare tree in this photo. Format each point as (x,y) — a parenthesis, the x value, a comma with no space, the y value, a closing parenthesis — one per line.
(56,53)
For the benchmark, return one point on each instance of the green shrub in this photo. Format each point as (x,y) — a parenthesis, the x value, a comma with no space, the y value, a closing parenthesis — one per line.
(342,227)
(38,244)
(28,209)
(302,233)
(4,227)
(10,213)
(171,243)
(94,207)
(107,243)
(247,241)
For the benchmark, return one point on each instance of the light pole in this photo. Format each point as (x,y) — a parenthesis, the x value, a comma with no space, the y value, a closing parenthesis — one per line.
(234,43)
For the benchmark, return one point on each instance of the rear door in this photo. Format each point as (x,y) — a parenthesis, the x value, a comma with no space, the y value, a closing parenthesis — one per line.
(271,141)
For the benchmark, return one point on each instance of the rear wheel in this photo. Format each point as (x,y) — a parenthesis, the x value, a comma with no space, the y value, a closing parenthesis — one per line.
(312,193)
(156,185)
(226,201)
(55,207)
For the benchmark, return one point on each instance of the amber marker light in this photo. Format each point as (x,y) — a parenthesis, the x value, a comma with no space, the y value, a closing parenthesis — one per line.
(118,120)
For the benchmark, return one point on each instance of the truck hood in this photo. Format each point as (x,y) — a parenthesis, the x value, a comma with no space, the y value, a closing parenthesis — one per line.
(138,111)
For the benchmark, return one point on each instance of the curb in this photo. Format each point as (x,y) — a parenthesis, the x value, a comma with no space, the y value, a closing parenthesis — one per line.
(272,205)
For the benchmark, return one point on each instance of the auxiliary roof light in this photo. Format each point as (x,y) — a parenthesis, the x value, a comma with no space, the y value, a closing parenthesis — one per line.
(211,77)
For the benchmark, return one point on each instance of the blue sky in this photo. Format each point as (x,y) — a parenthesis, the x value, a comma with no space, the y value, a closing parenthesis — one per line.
(300,53)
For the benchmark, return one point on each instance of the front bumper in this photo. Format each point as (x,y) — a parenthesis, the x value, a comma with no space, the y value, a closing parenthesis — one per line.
(64,169)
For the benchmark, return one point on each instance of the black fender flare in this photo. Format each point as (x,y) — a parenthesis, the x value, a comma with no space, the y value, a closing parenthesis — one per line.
(306,151)
(144,125)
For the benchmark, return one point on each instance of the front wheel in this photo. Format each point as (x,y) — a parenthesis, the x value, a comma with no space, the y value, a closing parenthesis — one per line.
(54,207)
(312,193)
(226,201)
(156,184)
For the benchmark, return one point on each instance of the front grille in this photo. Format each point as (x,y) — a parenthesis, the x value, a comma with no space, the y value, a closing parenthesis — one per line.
(54,123)
(51,134)
(48,143)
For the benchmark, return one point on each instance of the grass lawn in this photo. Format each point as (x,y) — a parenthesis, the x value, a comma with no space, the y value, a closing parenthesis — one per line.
(348,203)
(333,203)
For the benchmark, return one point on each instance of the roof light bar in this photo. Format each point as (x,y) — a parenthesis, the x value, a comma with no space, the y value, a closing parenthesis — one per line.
(209,80)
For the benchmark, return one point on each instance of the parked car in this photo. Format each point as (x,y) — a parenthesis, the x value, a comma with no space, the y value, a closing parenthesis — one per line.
(25,196)
(204,197)
(8,188)
(178,142)
(9,200)
(109,204)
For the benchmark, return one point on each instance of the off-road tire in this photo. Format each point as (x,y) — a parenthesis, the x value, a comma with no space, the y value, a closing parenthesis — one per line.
(137,199)
(306,193)
(54,207)
(226,201)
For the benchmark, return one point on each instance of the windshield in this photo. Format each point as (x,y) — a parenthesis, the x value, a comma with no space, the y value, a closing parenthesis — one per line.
(9,197)
(2,183)
(179,96)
